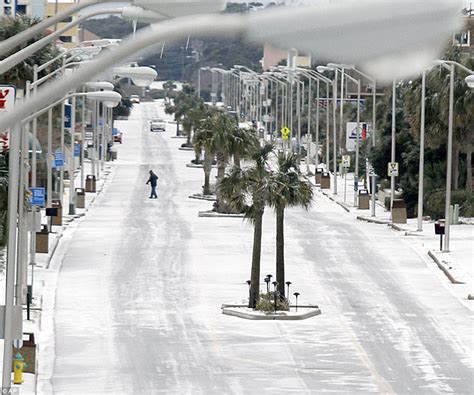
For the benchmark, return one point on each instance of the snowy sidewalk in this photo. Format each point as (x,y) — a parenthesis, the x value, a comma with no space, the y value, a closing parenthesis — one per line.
(45,277)
(457,264)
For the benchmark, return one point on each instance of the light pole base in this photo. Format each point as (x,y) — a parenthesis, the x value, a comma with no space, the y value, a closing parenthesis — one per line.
(72,209)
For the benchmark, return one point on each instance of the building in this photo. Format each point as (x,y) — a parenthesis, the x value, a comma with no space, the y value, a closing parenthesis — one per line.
(71,37)
(273,57)
(32,8)
(465,38)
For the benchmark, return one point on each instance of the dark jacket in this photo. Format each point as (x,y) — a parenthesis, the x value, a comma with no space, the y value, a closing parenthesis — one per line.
(152,180)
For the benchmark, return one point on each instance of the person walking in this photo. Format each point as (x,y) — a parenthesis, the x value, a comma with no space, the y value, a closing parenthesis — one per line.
(152,180)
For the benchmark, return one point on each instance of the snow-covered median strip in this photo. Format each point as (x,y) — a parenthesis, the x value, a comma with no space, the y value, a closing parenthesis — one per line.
(242,311)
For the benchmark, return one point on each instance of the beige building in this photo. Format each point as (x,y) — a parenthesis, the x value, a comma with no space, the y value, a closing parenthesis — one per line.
(71,37)
(272,56)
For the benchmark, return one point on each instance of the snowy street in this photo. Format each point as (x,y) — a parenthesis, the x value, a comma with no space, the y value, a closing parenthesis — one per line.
(142,281)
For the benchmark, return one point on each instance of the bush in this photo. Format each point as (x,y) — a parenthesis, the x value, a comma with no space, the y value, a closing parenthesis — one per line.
(266,303)
(435,203)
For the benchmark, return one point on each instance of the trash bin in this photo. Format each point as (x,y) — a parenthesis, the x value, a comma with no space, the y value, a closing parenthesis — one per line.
(318,176)
(325,180)
(42,240)
(90,183)
(80,198)
(364,199)
(113,155)
(399,212)
(28,352)
(58,218)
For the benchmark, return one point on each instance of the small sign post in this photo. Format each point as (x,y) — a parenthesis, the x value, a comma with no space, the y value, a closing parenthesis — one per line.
(37,197)
(393,169)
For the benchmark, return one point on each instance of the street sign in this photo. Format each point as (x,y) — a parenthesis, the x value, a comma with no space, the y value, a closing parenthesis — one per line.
(36,196)
(393,169)
(365,132)
(67,116)
(267,118)
(58,159)
(7,97)
(346,161)
(77,150)
(284,132)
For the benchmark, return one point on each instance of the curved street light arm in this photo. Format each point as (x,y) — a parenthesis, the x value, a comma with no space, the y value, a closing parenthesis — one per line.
(7,45)
(7,63)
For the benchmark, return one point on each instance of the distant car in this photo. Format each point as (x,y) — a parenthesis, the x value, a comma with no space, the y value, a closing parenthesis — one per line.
(118,138)
(134,99)
(157,125)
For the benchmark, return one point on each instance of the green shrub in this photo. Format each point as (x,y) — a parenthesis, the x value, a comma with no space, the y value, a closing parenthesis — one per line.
(266,303)
(435,203)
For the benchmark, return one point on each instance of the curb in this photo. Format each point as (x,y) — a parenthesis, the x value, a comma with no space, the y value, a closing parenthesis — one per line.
(444,269)
(371,220)
(227,310)
(214,214)
(209,198)
(335,201)
(198,166)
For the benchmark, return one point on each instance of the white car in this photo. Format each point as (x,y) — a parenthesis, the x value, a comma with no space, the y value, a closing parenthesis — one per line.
(157,125)
(134,99)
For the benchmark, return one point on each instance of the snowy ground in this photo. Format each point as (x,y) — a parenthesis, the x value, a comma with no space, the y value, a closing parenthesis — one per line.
(132,296)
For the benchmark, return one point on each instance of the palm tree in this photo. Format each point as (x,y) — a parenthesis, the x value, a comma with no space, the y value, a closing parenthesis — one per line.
(288,189)
(247,191)
(203,141)
(18,75)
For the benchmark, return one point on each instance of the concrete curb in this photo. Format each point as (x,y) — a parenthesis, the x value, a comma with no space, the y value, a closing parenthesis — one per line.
(443,268)
(214,214)
(194,166)
(373,220)
(232,310)
(209,198)
(178,137)
(335,201)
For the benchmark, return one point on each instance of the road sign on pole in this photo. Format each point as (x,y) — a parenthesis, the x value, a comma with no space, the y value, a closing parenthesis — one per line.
(393,169)
(284,132)
(37,196)
(346,161)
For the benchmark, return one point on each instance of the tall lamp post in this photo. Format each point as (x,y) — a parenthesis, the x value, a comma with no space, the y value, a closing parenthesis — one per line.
(451,65)
(322,69)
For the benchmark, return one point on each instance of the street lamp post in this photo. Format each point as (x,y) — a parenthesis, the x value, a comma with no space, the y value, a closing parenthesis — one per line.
(422,154)
(392,150)
(450,65)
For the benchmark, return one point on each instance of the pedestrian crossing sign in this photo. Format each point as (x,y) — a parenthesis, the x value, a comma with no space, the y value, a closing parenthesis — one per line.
(284,132)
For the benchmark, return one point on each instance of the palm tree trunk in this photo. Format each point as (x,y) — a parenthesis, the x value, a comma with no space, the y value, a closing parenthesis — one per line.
(280,250)
(177,127)
(469,168)
(237,160)
(188,138)
(207,166)
(256,253)
(222,207)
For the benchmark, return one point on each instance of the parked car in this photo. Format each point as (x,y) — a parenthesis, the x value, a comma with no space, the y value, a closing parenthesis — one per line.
(157,125)
(118,138)
(134,99)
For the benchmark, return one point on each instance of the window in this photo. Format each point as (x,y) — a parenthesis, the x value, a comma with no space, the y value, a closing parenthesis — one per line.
(462,39)
(67,19)
(66,39)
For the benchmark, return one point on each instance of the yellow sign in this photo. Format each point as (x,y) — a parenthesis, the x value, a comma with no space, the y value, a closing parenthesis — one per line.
(284,132)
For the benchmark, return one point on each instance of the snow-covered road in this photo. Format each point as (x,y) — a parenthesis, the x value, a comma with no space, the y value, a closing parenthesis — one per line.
(142,281)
